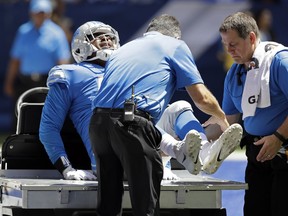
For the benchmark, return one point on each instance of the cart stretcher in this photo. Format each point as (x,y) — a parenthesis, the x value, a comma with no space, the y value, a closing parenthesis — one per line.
(30,184)
(45,190)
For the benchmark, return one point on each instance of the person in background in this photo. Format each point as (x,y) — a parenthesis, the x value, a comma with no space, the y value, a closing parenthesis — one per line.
(39,45)
(58,16)
(256,89)
(264,20)
(140,79)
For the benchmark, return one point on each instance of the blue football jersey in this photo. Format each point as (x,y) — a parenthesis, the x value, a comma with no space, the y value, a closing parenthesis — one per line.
(71,90)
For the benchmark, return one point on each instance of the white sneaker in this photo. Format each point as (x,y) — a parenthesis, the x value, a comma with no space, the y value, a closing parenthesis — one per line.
(187,152)
(222,148)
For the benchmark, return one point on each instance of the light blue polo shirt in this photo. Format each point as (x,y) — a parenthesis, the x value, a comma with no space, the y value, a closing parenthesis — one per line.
(156,65)
(266,120)
(40,49)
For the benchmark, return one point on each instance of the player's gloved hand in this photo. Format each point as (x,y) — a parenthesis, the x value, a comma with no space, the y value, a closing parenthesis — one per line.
(169,175)
(64,166)
(72,174)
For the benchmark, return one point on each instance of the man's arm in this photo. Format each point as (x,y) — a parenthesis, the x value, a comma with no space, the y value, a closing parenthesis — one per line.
(208,104)
(13,69)
(53,116)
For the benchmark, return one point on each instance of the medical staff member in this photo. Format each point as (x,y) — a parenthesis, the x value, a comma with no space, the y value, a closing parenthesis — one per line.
(140,79)
(256,89)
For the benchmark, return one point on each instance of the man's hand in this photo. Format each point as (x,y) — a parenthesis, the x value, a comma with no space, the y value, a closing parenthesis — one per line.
(271,146)
(72,174)
(223,123)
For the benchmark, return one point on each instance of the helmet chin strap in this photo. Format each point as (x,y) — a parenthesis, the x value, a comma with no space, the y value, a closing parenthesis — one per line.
(103,55)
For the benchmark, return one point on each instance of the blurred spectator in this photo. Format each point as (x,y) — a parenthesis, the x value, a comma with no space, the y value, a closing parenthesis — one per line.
(264,20)
(39,45)
(59,18)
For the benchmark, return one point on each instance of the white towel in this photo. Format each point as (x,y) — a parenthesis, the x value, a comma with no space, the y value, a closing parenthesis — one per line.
(256,91)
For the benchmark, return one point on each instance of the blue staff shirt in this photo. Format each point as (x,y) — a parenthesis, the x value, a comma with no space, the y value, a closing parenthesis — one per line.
(155,65)
(266,120)
(40,49)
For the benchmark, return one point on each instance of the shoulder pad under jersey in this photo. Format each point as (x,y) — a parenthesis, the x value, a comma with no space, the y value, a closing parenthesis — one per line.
(57,75)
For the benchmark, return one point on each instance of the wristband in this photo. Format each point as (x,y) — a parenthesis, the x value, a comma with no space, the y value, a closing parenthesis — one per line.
(279,136)
(62,163)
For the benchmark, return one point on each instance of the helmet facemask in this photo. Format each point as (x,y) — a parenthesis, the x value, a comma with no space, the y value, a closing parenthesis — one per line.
(90,37)
(103,44)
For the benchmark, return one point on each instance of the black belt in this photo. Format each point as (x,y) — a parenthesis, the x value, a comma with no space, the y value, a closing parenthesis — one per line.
(120,112)
(249,139)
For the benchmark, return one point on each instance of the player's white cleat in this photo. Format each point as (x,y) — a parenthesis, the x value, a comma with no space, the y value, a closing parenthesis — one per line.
(221,148)
(187,152)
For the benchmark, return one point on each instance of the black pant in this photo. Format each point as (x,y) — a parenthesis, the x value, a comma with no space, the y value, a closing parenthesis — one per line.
(132,147)
(26,82)
(267,184)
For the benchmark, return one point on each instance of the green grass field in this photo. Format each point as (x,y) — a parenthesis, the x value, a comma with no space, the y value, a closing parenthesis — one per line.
(3,136)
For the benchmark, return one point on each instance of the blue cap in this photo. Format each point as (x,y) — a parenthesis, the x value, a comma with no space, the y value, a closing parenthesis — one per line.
(37,6)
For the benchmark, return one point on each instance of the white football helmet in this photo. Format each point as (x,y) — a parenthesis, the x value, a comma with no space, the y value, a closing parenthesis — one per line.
(82,47)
